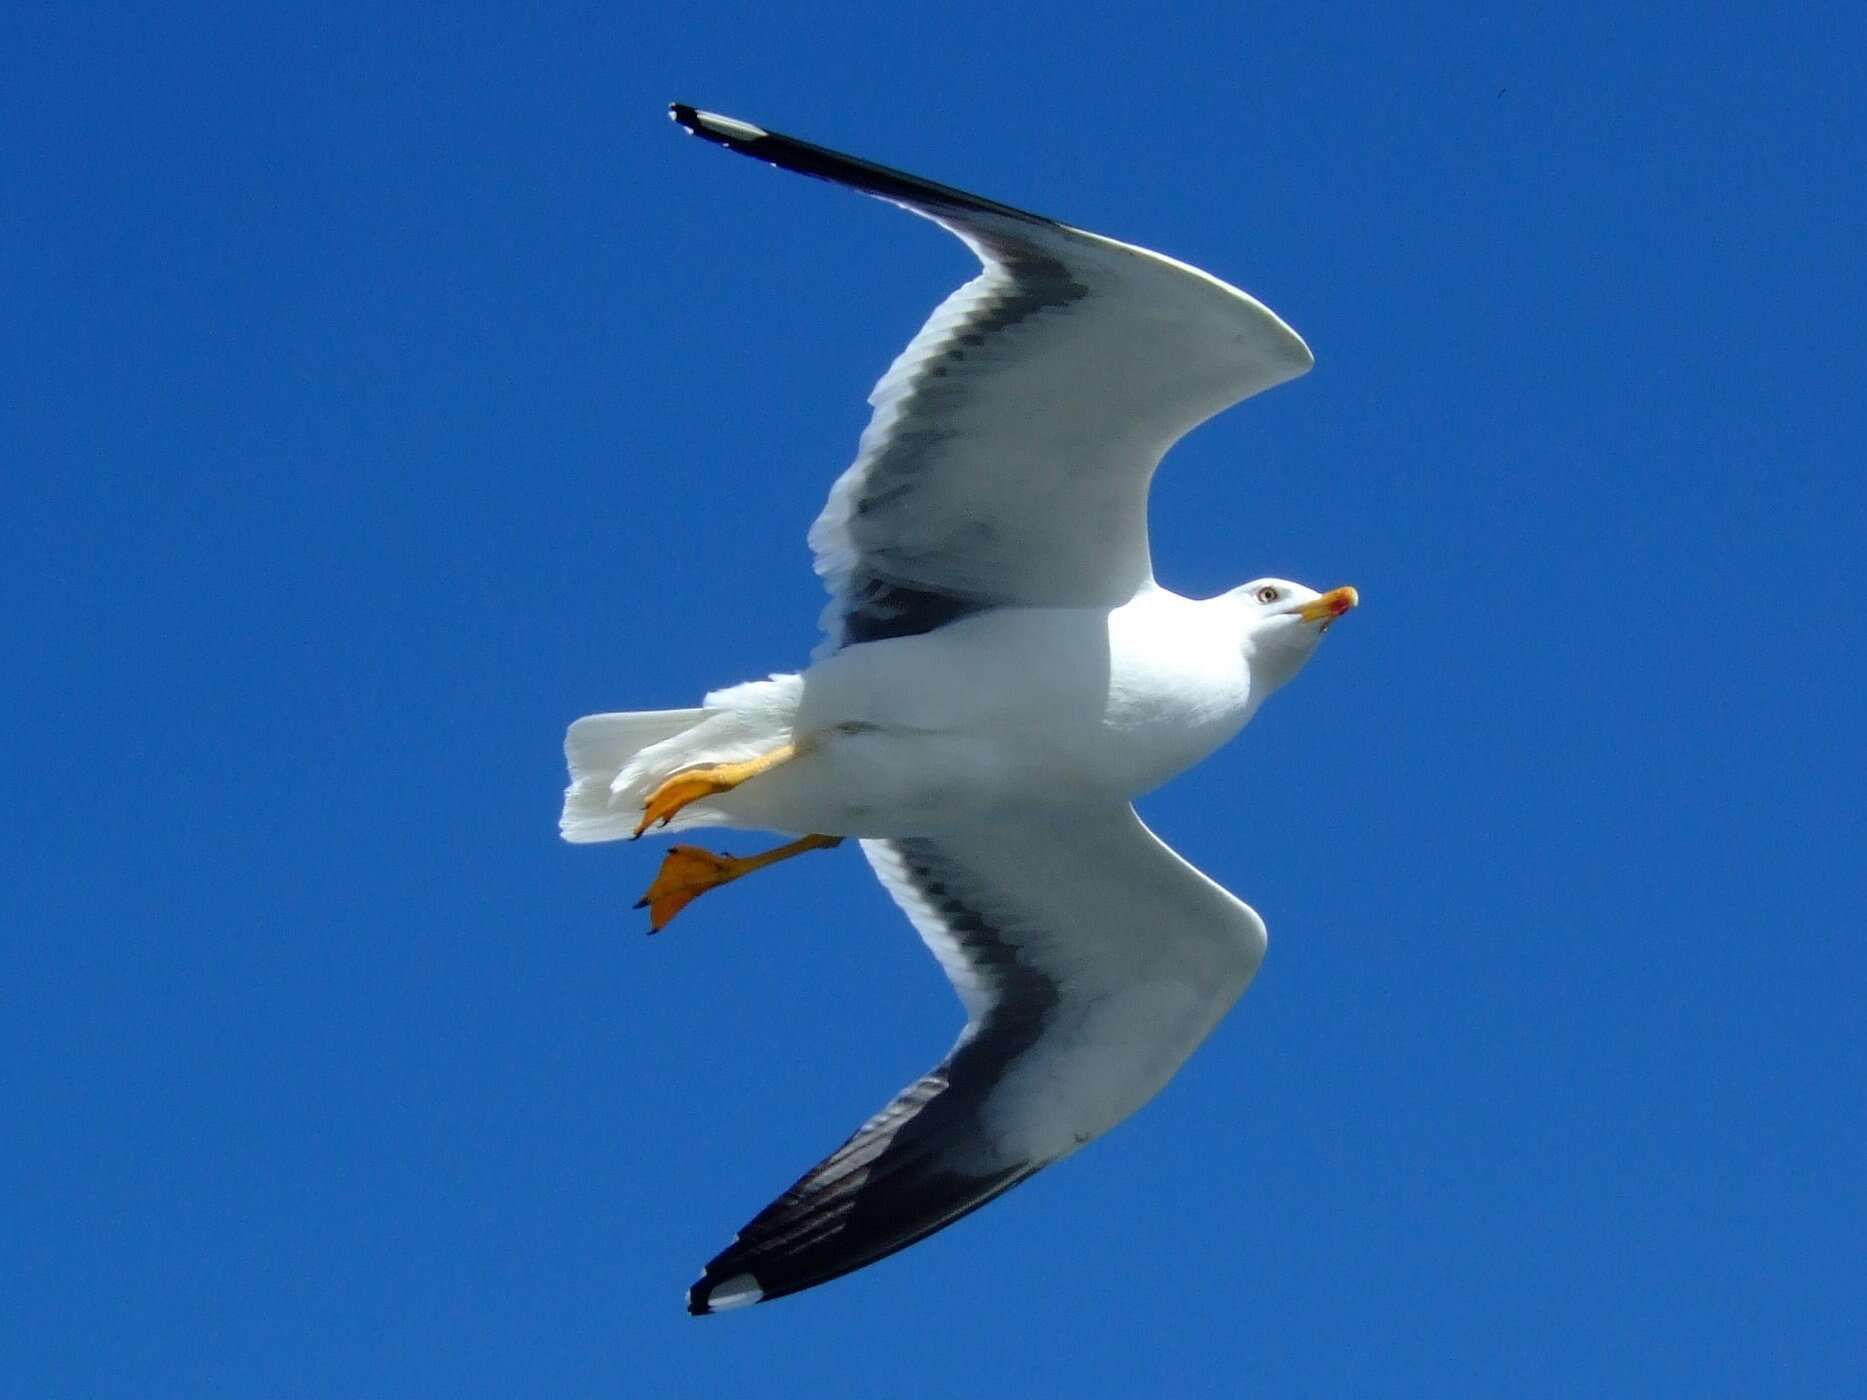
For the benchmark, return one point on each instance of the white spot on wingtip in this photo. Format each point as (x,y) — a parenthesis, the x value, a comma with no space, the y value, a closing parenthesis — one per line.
(730,126)
(739,1291)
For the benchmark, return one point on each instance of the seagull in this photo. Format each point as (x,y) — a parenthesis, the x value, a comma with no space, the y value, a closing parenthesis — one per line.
(1000,678)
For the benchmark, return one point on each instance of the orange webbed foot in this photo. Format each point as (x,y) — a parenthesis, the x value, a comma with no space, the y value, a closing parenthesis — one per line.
(687,872)
(709,781)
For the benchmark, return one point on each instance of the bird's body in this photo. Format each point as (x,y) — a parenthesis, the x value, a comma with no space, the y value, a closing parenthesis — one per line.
(1002,677)
(913,736)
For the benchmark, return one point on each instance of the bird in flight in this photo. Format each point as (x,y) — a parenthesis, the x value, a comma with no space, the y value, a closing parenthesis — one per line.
(1000,678)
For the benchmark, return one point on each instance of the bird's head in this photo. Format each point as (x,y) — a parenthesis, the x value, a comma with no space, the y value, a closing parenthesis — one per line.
(1283,623)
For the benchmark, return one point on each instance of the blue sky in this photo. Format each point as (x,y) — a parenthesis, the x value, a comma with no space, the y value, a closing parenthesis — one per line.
(385,392)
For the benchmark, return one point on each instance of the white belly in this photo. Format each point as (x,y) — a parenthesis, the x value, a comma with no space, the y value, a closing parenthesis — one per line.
(1009,710)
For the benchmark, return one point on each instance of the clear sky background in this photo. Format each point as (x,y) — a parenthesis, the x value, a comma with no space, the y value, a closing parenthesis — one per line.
(382,393)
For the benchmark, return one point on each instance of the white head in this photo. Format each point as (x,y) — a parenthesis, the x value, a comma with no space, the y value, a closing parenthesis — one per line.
(1283,623)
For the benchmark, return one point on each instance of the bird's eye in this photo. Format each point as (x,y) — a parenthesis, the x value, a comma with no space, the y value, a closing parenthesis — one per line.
(1267,594)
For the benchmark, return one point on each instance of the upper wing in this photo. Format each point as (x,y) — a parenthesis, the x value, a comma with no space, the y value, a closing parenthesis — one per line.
(1091,960)
(1012,444)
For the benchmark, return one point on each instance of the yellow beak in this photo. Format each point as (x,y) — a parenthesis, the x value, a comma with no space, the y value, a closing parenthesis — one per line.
(1330,606)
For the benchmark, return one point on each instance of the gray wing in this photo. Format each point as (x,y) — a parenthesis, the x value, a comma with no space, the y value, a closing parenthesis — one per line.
(1091,959)
(1009,455)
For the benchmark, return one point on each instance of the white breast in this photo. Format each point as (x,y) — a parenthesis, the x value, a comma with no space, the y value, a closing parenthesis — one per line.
(1019,705)
(1179,687)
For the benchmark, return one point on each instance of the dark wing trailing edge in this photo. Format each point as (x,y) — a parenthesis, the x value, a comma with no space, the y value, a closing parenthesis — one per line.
(1013,440)
(891,1184)
(924,1160)
(1091,960)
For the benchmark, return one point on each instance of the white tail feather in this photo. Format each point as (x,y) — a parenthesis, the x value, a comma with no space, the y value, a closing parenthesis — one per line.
(617,761)
(598,748)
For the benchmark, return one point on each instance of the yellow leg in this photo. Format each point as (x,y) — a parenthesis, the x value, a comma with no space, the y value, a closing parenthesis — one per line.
(692,784)
(687,872)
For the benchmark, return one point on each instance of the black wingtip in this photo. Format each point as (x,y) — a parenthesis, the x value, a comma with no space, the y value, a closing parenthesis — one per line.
(819,162)
(729,132)
(713,1292)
